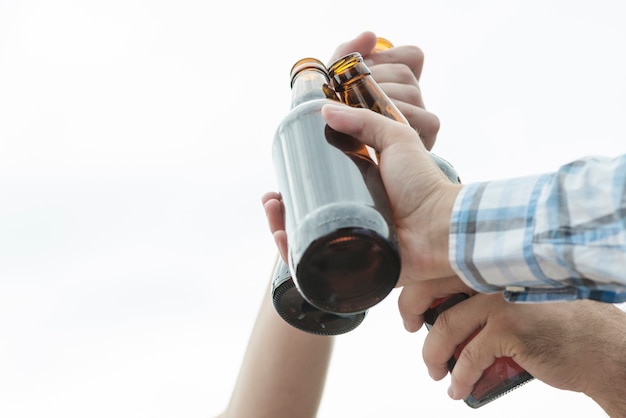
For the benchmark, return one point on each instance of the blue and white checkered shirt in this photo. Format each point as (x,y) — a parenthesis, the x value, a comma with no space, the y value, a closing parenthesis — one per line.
(558,236)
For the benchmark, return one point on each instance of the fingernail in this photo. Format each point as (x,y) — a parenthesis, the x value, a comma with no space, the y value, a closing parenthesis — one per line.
(451,392)
(335,107)
(406,326)
(410,326)
(368,62)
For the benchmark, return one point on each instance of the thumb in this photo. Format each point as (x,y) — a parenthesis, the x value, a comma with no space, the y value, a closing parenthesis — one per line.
(371,128)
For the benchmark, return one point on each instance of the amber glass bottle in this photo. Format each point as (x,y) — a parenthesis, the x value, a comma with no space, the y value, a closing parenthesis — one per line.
(296,311)
(342,253)
(356,87)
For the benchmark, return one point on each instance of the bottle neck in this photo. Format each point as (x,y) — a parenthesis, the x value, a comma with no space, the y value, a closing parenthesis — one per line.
(348,70)
(353,82)
(310,81)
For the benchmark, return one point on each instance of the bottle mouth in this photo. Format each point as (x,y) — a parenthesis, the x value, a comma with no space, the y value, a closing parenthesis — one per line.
(346,68)
(307,64)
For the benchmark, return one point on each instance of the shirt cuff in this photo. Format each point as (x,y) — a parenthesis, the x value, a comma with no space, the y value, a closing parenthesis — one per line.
(491,235)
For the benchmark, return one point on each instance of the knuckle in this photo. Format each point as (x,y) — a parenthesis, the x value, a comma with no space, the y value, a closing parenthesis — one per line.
(433,124)
(415,59)
(443,323)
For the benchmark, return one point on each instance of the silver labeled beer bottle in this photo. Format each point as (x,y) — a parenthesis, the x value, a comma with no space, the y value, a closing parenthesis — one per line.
(342,251)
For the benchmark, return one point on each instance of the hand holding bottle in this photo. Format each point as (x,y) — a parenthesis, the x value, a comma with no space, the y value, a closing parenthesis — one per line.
(575,346)
(397,71)
(421,196)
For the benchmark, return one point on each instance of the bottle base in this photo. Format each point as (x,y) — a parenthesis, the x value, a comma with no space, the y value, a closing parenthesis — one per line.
(348,271)
(297,312)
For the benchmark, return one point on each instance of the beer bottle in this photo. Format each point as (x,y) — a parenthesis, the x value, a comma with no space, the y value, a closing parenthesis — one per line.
(342,251)
(290,305)
(297,312)
(353,81)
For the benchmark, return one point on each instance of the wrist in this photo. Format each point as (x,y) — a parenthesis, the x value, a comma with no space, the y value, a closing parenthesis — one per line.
(440,234)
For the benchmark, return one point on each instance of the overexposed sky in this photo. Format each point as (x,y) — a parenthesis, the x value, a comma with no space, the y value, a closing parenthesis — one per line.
(135,144)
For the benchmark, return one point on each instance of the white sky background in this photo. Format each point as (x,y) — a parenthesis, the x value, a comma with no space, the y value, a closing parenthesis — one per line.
(135,143)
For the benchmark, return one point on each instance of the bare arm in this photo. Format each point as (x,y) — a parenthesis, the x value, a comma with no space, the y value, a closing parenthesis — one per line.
(283,370)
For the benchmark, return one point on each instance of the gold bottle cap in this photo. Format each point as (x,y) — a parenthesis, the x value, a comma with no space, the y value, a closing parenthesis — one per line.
(382,44)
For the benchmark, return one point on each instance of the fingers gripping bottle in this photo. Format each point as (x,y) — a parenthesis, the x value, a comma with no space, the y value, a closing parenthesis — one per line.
(356,87)
(500,378)
(342,251)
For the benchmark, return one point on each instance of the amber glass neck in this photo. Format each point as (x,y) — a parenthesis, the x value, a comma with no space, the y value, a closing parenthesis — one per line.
(310,81)
(346,70)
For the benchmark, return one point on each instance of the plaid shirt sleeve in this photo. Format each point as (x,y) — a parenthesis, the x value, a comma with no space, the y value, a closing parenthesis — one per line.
(559,236)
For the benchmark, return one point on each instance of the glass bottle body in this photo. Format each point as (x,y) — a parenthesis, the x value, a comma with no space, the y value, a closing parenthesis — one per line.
(342,249)
(342,253)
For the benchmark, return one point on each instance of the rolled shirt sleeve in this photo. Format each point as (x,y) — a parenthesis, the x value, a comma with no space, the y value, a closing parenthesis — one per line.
(558,236)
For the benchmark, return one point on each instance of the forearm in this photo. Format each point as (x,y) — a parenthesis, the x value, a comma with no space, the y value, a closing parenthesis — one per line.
(561,231)
(283,371)
(607,363)
(614,405)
